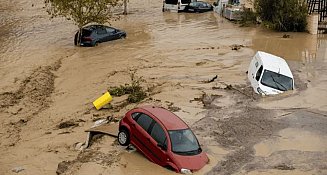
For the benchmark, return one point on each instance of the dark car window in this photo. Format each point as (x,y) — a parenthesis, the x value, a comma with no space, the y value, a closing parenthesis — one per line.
(185,1)
(101,31)
(86,33)
(144,121)
(158,134)
(204,5)
(257,76)
(135,115)
(193,4)
(110,30)
(171,1)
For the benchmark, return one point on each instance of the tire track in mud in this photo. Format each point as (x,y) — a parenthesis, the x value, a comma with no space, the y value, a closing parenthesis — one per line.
(32,97)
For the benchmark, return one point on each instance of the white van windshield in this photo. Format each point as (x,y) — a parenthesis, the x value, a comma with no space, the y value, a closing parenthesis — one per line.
(277,81)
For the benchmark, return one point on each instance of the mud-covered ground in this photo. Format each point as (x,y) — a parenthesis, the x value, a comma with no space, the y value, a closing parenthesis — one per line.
(47,86)
(265,140)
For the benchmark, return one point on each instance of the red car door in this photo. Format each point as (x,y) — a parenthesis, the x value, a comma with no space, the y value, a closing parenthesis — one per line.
(158,143)
(141,137)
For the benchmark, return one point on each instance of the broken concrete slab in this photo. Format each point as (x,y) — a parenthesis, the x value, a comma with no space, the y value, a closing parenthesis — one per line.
(100,127)
(107,128)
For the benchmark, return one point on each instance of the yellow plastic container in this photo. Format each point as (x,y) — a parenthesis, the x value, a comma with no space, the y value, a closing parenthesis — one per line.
(103,100)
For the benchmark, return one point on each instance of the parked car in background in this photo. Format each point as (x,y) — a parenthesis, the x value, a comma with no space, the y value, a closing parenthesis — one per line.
(93,34)
(230,9)
(163,138)
(175,5)
(199,7)
(270,74)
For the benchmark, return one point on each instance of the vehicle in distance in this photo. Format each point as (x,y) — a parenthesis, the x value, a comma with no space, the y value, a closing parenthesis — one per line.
(270,74)
(198,7)
(175,5)
(94,34)
(163,138)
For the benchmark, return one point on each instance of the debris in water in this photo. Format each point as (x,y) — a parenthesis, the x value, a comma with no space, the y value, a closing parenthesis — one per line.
(211,80)
(130,148)
(17,169)
(103,100)
(173,108)
(63,167)
(284,167)
(229,87)
(65,132)
(236,46)
(207,100)
(67,124)
(200,63)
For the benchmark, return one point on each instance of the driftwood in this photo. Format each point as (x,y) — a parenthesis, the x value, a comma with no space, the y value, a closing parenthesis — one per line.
(228,86)
(211,80)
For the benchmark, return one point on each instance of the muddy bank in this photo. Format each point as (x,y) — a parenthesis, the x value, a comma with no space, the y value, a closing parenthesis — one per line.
(20,106)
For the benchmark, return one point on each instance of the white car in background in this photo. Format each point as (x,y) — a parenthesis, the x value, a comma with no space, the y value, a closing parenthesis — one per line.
(176,5)
(270,74)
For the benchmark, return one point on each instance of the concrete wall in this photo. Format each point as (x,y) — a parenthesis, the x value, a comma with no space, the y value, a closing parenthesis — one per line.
(313,23)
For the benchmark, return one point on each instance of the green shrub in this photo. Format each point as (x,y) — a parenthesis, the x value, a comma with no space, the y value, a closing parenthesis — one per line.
(283,15)
(135,91)
(248,17)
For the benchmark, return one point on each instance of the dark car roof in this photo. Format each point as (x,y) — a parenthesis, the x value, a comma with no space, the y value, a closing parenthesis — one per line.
(167,118)
(201,2)
(93,27)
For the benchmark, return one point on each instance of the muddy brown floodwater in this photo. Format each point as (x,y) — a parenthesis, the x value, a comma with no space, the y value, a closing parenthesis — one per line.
(46,82)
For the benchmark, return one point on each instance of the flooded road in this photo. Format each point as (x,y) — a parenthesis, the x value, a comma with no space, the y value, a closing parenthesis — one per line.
(45,80)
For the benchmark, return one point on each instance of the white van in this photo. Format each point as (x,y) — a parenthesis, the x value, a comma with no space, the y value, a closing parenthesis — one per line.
(270,74)
(220,5)
(175,5)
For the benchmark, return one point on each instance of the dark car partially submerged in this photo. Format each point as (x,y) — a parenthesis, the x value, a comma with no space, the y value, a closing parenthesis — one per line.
(198,7)
(93,34)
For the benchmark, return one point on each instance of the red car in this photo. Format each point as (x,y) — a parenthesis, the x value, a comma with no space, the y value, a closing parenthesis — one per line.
(163,138)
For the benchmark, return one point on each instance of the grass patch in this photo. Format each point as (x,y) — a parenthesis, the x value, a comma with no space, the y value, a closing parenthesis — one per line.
(135,91)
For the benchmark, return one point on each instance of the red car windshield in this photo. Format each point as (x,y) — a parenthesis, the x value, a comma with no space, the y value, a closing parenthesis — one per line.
(184,142)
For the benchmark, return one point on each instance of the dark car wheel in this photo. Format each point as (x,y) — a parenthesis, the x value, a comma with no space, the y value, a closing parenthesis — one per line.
(95,43)
(123,137)
(123,36)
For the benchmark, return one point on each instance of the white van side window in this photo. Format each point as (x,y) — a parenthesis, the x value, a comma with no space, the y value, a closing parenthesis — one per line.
(258,74)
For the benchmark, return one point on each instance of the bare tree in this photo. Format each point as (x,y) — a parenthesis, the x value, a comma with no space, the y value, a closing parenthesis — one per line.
(125,7)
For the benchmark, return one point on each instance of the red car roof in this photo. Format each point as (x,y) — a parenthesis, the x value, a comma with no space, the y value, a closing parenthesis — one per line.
(167,118)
